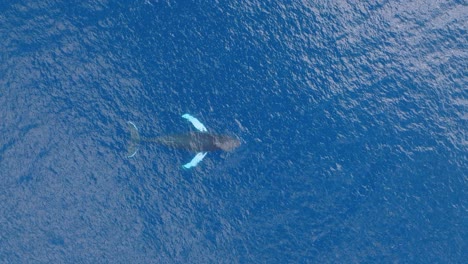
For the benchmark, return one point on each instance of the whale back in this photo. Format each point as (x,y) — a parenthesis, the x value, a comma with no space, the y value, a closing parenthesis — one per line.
(199,142)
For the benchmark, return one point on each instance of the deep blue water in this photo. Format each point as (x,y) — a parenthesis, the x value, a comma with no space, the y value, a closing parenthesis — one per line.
(353,118)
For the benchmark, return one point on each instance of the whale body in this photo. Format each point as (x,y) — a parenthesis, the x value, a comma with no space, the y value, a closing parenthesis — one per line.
(200,141)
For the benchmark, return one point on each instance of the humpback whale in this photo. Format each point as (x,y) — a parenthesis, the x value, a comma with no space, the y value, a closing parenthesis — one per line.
(200,141)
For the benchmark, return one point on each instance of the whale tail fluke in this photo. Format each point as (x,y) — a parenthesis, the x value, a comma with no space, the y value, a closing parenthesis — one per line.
(134,139)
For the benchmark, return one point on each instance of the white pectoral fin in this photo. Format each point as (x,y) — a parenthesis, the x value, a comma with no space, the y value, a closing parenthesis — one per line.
(199,157)
(197,124)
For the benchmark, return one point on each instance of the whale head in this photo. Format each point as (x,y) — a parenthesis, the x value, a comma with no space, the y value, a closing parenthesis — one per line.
(227,143)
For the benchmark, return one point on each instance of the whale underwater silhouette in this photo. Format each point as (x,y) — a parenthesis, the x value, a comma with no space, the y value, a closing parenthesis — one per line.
(201,141)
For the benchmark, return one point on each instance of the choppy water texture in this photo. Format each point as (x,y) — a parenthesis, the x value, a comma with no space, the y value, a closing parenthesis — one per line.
(352,115)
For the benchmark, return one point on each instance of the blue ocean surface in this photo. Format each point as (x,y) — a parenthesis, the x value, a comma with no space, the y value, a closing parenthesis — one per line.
(352,117)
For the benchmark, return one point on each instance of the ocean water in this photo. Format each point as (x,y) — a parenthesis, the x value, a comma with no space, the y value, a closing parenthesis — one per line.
(352,117)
